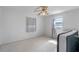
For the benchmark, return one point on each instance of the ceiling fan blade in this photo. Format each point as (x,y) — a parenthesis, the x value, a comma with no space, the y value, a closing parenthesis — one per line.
(42,10)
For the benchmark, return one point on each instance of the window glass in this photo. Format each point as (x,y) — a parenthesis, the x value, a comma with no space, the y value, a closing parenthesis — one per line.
(30,24)
(58,22)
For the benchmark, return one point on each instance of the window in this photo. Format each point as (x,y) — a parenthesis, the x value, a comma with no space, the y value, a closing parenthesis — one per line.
(58,22)
(30,24)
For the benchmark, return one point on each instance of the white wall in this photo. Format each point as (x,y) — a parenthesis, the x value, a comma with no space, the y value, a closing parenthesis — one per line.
(48,25)
(15,25)
(1,25)
(71,19)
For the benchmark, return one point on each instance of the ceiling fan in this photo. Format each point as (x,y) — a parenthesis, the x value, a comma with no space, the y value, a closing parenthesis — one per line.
(42,10)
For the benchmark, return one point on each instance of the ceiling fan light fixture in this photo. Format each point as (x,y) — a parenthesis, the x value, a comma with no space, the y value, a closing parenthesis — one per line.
(42,10)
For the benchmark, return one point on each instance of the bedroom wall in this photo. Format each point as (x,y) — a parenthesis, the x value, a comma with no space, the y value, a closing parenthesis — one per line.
(15,25)
(48,20)
(1,25)
(71,19)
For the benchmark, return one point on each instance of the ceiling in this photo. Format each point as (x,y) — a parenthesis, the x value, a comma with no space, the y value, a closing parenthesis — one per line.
(60,9)
(52,9)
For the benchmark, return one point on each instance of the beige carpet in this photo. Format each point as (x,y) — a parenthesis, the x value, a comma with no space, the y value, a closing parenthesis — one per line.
(41,44)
